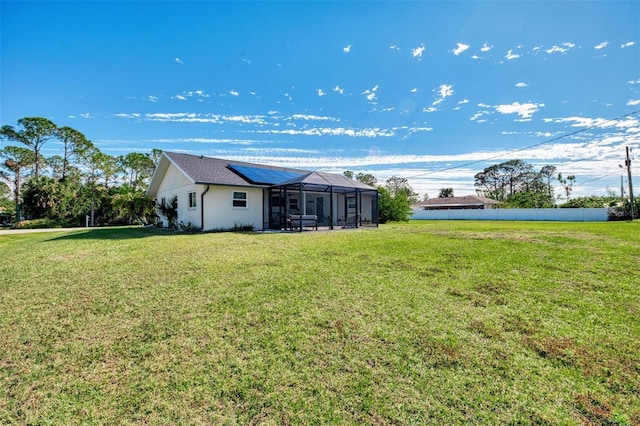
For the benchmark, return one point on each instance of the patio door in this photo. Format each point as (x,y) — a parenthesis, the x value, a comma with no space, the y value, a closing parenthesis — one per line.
(316,204)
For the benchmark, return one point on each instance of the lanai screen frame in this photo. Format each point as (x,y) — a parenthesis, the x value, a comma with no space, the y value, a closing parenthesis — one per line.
(311,187)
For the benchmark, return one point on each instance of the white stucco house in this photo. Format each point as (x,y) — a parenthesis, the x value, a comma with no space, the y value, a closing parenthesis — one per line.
(215,194)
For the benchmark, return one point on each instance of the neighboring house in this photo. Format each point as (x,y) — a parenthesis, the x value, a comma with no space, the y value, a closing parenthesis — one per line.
(456,203)
(214,193)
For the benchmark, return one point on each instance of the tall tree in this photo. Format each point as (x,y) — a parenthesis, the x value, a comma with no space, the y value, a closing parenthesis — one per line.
(367,179)
(74,144)
(34,132)
(445,193)
(517,184)
(138,168)
(567,183)
(400,186)
(17,159)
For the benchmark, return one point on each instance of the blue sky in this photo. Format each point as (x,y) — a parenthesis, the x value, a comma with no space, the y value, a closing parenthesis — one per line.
(430,91)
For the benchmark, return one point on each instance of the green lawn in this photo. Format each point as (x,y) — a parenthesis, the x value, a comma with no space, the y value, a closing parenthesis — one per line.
(418,323)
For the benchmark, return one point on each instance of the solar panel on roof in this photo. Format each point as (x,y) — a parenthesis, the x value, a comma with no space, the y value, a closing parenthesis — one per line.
(258,175)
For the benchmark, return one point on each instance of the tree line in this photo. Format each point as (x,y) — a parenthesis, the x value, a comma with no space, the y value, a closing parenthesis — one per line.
(78,181)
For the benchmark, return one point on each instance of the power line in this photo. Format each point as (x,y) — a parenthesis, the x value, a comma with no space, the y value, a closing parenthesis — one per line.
(566,135)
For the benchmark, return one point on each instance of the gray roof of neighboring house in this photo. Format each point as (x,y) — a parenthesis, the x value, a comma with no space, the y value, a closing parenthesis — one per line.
(467,200)
(215,171)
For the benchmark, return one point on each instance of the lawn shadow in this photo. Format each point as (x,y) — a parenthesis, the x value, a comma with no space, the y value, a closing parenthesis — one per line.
(113,233)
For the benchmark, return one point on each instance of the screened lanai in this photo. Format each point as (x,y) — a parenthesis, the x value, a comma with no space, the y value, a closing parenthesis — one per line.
(334,200)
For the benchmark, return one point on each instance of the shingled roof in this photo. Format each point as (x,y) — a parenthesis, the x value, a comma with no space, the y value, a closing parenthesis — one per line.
(216,171)
(454,202)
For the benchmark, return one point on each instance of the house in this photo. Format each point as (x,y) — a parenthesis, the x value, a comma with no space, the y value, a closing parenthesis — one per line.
(456,203)
(214,193)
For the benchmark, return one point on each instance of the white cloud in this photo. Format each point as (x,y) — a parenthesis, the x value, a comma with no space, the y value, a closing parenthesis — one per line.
(394,47)
(475,57)
(339,90)
(460,48)
(182,98)
(414,90)
(87,115)
(346,49)
(153,98)
(558,49)
(331,131)
(418,51)
(521,85)
(628,44)
(601,45)
(511,55)
(370,94)
(234,93)
(320,92)
(525,110)
(443,92)
(485,48)
(192,117)
(310,117)
(429,109)
(178,60)
(205,141)
(124,115)
(633,102)
(460,103)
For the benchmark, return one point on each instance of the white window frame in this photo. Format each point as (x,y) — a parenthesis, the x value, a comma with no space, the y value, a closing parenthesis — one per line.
(244,200)
(192,198)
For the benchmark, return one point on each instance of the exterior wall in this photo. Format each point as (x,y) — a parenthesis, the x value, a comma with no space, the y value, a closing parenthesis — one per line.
(219,212)
(176,184)
(568,215)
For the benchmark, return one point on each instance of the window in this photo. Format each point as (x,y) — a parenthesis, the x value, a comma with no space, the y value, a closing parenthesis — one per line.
(192,200)
(239,199)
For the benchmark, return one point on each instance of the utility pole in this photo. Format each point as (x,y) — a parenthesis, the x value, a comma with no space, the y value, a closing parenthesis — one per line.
(628,164)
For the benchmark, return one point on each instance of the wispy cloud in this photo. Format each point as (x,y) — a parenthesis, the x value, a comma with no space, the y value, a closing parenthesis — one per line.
(461,47)
(414,90)
(206,141)
(320,92)
(178,60)
(338,90)
(180,97)
(511,55)
(346,49)
(443,92)
(601,45)
(460,103)
(563,48)
(525,110)
(633,102)
(485,48)
(330,131)
(311,117)
(394,47)
(234,93)
(153,98)
(521,85)
(371,95)
(418,51)
(192,117)
(628,44)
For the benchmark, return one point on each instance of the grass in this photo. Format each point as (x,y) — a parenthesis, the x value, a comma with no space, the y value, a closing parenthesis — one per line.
(425,322)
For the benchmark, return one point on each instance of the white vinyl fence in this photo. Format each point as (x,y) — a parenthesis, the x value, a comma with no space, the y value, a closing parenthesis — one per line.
(566,215)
